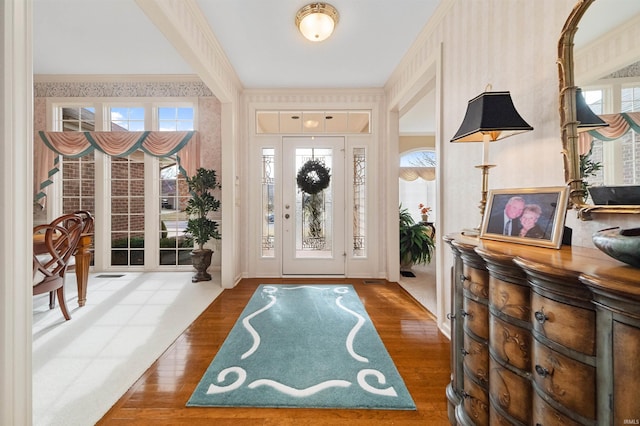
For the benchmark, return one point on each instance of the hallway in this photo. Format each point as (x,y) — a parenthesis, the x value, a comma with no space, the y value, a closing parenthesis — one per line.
(419,350)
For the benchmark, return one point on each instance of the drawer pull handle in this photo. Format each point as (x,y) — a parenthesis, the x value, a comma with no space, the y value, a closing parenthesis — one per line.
(538,424)
(465,395)
(464,351)
(540,317)
(543,372)
(463,278)
(465,314)
(451,316)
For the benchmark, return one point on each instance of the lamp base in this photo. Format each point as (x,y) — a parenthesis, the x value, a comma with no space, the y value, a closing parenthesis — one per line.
(468,232)
(485,185)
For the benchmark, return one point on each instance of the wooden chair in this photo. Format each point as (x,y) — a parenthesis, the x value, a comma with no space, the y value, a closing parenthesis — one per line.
(87,232)
(55,247)
(81,260)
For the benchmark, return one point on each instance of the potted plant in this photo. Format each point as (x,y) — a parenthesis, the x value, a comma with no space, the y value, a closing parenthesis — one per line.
(200,228)
(424,212)
(588,168)
(416,244)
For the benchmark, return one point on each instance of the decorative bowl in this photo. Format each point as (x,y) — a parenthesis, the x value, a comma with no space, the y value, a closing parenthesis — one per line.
(621,244)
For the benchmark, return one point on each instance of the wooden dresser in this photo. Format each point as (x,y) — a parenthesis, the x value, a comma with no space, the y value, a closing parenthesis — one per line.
(542,336)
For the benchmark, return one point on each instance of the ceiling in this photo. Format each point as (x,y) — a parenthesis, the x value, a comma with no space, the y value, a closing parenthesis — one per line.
(602,16)
(115,37)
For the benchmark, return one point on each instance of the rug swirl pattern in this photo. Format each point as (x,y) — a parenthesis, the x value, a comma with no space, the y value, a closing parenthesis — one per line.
(303,346)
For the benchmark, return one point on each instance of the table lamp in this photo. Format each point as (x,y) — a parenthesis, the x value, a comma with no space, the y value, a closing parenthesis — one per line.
(586,118)
(490,117)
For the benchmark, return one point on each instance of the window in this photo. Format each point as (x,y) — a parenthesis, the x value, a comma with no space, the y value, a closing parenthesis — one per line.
(359,202)
(618,158)
(129,119)
(417,182)
(630,102)
(286,122)
(629,99)
(130,229)
(175,118)
(76,119)
(268,212)
(127,210)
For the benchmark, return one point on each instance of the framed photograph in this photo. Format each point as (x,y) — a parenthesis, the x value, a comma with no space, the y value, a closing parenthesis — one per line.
(533,216)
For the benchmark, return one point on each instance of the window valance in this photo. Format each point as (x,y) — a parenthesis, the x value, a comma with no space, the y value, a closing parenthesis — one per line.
(48,146)
(413,173)
(619,124)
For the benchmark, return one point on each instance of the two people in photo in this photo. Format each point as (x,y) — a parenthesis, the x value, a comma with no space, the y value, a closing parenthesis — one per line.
(518,219)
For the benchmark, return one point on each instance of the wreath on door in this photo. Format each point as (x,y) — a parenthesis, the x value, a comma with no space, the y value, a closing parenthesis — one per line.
(313,177)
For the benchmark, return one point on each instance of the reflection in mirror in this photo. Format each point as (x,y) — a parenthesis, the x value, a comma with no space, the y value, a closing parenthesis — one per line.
(605,64)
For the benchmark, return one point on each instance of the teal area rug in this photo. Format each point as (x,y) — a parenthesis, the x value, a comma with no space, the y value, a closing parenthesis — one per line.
(310,346)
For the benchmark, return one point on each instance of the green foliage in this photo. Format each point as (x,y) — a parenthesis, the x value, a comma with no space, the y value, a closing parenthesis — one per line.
(133,242)
(588,168)
(170,243)
(416,245)
(164,230)
(199,227)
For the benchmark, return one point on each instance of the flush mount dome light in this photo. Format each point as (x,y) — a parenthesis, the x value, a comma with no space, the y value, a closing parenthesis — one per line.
(316,21)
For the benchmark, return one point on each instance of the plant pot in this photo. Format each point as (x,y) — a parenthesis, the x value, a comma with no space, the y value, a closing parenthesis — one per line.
(425,218)
(201,260)
(406,263)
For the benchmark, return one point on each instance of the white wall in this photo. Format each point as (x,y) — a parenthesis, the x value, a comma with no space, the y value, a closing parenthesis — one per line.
(16,153)
(512,45)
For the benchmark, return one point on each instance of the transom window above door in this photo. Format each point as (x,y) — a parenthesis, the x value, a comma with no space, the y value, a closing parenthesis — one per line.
(294,122)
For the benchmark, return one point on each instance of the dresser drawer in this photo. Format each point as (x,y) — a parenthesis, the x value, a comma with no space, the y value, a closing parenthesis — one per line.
(498,419)
(476,360)
(510,299)
(510,343)
(510,391)
(476,403)
(626,370)
(570,326)
(476,282)
(545,415)
(569,382)
(476,317)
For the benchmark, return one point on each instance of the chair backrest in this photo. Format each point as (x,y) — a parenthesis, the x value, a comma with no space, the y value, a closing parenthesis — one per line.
(87,220)
(60,240)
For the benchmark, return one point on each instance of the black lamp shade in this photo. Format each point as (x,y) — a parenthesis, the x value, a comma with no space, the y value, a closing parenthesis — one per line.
(493,114)
(587,120)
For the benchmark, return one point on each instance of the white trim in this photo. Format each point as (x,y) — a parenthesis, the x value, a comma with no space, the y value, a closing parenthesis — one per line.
(298,100)
(119,78)
(412,79)
(183,24)
(16,220)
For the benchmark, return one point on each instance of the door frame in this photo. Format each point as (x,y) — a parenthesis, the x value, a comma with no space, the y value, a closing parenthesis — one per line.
(248,181)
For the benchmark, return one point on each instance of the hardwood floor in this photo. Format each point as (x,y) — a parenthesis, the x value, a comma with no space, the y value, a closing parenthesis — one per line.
(409,332)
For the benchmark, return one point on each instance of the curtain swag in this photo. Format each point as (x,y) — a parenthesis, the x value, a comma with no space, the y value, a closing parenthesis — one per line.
(619,124)
(49,146)
(413,173)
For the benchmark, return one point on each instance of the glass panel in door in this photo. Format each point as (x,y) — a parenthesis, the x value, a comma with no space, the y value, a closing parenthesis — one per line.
(313,210)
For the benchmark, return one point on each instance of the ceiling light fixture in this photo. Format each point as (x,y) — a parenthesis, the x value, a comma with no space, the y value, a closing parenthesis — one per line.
(316,21)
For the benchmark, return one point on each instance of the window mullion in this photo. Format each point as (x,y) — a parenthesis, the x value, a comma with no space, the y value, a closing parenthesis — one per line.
(152,224)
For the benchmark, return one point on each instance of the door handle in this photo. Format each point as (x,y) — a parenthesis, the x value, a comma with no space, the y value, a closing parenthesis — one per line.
(286,216)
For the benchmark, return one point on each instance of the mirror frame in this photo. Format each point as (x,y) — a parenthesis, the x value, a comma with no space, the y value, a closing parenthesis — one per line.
(569,124)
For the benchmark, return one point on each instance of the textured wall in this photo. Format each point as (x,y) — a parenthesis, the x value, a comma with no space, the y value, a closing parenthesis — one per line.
(512,45)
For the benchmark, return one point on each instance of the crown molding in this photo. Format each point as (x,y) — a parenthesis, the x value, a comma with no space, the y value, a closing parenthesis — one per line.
(350,97)
(112,78)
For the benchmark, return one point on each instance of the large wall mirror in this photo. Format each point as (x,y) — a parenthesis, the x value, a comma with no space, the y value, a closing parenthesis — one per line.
(599,52)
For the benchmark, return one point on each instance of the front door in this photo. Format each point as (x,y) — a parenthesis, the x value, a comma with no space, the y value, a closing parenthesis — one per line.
(313,214)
